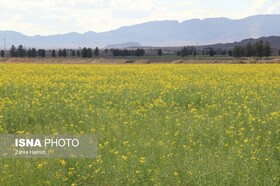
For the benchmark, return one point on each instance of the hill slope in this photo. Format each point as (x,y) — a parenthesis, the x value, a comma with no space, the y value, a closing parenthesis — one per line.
(273,40)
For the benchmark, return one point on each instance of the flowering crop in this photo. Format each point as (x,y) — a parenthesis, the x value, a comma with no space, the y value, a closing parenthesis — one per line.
(156,124)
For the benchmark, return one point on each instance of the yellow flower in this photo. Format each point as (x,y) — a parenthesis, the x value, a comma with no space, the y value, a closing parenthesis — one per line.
(20,132)
(63,162)
(124,157)
(90,166)
(142,160)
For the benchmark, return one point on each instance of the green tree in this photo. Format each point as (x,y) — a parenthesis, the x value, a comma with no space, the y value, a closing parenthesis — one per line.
(224,52)
(184,52)
(211,52)
(87,52)
(33,52)
(78,53)
(29,52)
(64,53)
(267,49)
(238,51)
(21,52)
(42,53)
(53,53)
(13,51)
(139,52)
(116,52)
(159,52)
(259,49)
(73,53)
(230,52)
(2,53)
(84,52)
(249,50)
(96,52)
(60,53)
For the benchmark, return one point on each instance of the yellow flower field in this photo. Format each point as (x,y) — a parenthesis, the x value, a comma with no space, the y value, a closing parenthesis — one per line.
(156,124)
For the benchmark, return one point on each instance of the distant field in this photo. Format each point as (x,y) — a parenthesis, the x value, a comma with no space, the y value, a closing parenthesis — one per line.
(157,124)
(143,60)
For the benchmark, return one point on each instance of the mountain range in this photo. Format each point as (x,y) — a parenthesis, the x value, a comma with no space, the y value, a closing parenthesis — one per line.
(158,33)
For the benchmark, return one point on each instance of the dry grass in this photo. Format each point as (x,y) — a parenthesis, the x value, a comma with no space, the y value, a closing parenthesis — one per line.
(133,61)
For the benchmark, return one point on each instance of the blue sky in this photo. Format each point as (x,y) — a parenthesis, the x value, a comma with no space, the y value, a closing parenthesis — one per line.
(46,17)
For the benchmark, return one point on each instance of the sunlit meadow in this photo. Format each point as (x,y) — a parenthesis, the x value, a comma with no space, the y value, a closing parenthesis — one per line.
(156,124)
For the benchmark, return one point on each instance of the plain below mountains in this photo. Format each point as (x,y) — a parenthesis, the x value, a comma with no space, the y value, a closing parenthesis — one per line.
(158,33)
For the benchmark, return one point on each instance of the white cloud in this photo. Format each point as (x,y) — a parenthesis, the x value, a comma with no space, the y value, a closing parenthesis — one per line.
(257,4)
(274,9)
(133,5)
(264,6)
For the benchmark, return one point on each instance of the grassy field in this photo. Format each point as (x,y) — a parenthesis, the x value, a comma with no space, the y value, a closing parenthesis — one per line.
(156,124)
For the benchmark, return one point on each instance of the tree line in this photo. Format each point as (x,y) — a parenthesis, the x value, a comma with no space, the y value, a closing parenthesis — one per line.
(193,51)
(85,52)
(20,51)
(259,49)
(186,51)
(138,52)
